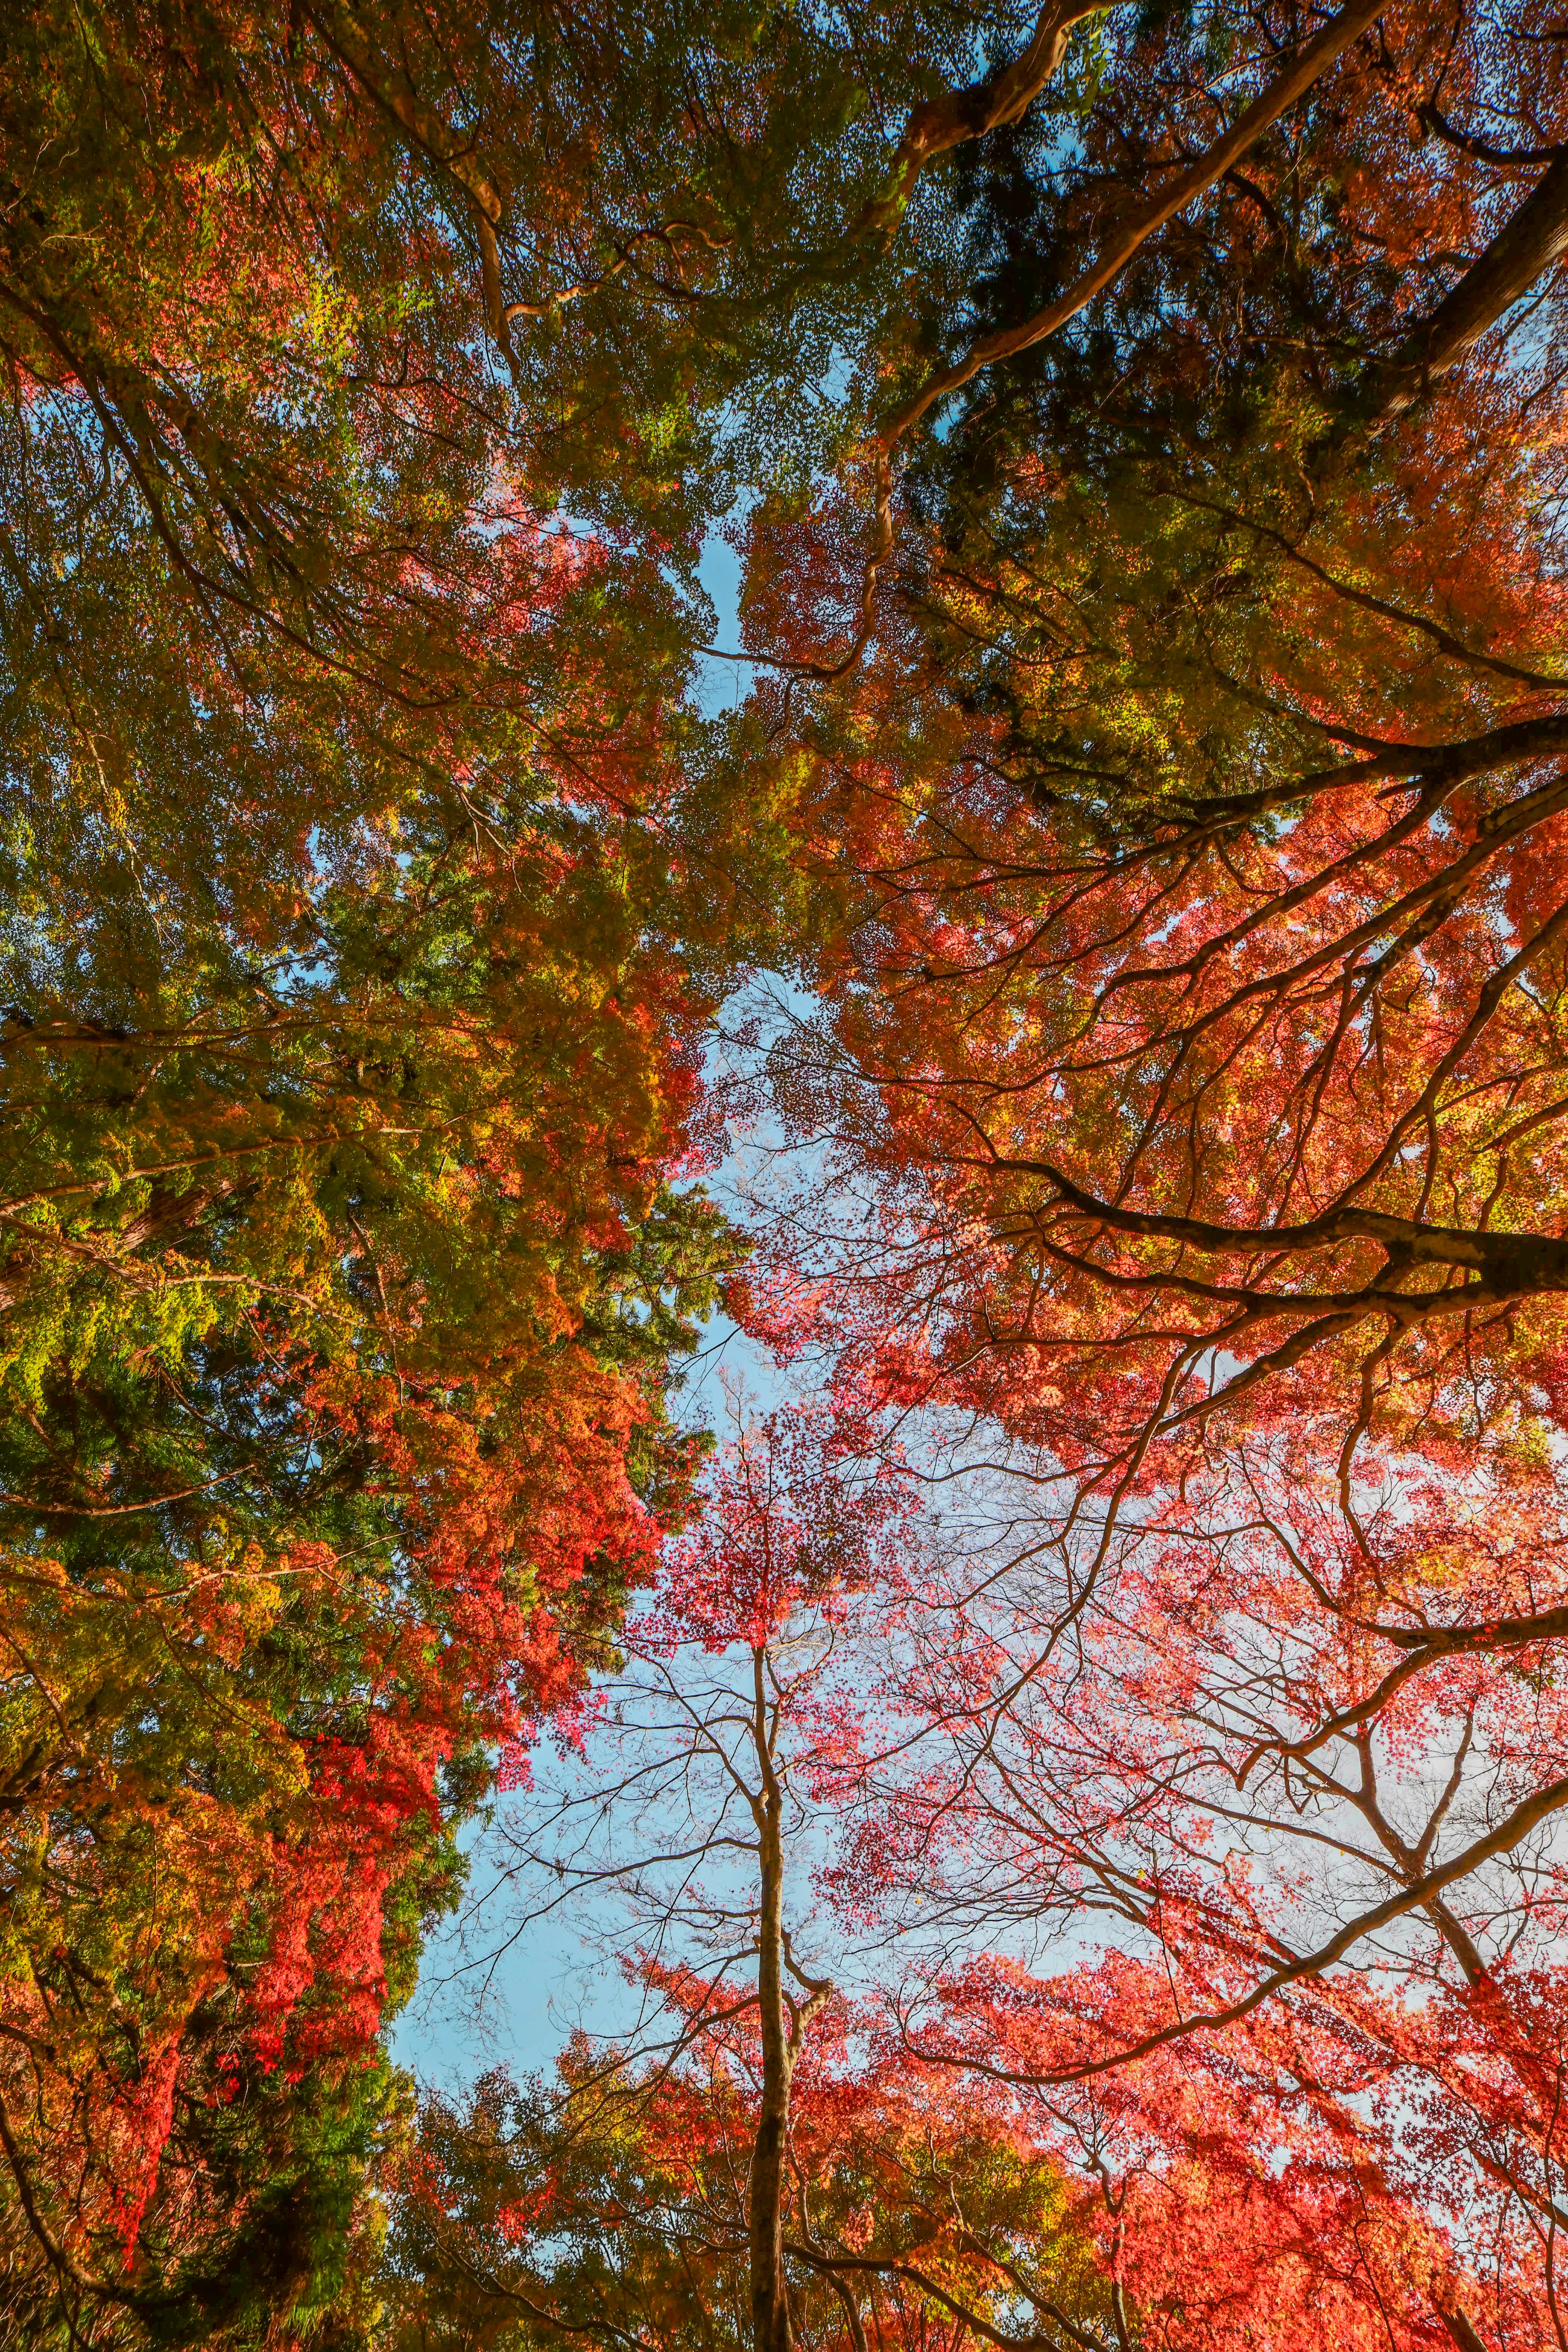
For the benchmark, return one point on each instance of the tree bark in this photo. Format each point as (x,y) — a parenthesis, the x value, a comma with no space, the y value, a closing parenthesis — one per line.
(1529,243)
(1291,83)
(1462,2329)
(770,2151)
(960,115)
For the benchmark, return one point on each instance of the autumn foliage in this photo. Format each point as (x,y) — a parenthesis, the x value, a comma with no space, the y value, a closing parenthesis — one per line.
(1188,837)
(1076,1784)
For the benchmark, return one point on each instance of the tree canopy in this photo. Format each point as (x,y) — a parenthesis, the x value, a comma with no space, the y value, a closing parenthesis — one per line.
(1080,1773)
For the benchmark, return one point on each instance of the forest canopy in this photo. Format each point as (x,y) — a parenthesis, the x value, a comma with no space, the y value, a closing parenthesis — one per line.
(1068,1759)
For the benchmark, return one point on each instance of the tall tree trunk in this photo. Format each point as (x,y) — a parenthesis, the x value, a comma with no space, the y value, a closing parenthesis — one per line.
(770,2293)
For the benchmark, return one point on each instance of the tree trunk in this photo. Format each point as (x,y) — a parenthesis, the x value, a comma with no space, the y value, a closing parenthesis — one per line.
(1523,249)
(1462,2329)
(769,2293)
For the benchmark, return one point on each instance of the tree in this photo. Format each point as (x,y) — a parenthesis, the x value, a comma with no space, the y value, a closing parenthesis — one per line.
(1199,1097)
(337,1432)
(1171,743)
(1183,822)
(1221,1065)
(345,1060)
(714,1753)
(1323,1866)
(356,956)
(340,1288)
(612,2207)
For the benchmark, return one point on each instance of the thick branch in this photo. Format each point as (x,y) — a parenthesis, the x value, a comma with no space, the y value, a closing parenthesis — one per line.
(1298,78)
(1425,1646)
(431,139)
(960,115)
(1531,242)
(1441,765)
(1511,1265)
(1417,1897)
(1510,1262)
(1461,2328)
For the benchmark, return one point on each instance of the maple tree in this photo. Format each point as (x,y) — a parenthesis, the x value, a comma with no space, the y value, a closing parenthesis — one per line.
(1182,821)
(1233,2194)
(1318,1859)
(761,2177)
(726,1710)
(1296,1008)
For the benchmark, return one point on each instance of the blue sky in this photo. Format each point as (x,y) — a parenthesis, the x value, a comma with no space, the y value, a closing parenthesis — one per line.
(556,1975)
